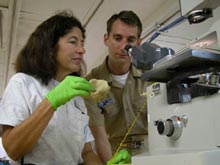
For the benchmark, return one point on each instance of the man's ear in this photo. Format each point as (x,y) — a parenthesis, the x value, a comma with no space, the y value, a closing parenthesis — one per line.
(106,39)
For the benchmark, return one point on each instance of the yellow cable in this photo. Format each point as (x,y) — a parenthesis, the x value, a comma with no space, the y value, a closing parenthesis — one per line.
(132,125)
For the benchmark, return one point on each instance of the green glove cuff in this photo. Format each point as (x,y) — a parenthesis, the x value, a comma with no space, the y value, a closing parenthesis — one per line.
(50,99)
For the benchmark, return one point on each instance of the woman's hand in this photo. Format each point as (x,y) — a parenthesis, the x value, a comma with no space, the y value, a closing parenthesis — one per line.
(70,87)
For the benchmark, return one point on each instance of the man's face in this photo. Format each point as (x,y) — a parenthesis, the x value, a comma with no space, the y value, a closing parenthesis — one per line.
(121,35)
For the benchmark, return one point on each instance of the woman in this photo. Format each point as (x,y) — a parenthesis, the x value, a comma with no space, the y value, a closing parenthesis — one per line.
(42,113)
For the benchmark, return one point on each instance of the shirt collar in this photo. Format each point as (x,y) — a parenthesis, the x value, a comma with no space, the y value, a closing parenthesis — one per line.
(107,76)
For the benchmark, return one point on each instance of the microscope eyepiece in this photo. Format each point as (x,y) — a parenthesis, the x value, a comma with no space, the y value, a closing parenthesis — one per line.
(127,48)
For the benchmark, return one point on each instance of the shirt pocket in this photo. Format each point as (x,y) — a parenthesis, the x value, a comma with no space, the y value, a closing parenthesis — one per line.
(80,124)
(110,110)
(139,104)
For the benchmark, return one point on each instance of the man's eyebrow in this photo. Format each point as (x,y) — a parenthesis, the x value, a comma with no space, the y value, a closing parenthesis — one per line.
(132,37)
(119,35)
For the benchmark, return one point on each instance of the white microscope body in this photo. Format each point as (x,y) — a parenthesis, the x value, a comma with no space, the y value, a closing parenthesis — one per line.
(183,134)
(184,109)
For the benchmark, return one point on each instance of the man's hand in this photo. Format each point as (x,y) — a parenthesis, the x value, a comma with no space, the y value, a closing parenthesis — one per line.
(70,87)
(122,157)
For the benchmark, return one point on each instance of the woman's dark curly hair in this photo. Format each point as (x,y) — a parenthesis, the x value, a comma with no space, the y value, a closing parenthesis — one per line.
(37,58)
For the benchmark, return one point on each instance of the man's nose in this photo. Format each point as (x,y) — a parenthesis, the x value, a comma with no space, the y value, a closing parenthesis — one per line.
(123,43)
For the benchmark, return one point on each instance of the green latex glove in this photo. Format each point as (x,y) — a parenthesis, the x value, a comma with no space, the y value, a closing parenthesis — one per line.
(70,87)
(122,157)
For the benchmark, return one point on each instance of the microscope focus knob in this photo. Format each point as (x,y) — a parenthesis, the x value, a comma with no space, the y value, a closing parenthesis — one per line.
(165,127)
(171,127)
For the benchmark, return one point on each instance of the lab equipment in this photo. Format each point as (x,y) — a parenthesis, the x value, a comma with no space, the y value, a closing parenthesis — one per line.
(183,103)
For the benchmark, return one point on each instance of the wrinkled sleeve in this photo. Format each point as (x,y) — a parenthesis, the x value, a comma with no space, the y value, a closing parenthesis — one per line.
(13,106)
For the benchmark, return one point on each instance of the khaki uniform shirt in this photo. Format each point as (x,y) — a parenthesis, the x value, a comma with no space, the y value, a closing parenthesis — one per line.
(117,117)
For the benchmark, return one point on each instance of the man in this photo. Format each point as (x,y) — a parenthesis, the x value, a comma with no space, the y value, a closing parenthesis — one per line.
(111,120)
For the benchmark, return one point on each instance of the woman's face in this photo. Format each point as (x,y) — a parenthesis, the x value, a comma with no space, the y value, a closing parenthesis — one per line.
(70,52)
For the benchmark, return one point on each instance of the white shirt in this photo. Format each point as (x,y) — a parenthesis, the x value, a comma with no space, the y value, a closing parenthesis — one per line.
(119,80)
(3,154)
(67,132)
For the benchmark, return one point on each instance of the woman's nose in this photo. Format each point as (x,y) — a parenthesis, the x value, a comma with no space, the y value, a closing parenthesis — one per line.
(81,49)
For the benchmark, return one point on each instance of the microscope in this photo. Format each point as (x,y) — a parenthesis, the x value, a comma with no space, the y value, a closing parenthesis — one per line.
(184,100)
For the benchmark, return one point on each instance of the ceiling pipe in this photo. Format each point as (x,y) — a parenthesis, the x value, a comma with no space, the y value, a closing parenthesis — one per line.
(1,30)
(166,13)
(93,13)
(167,27)
(156,27)
(14,10)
